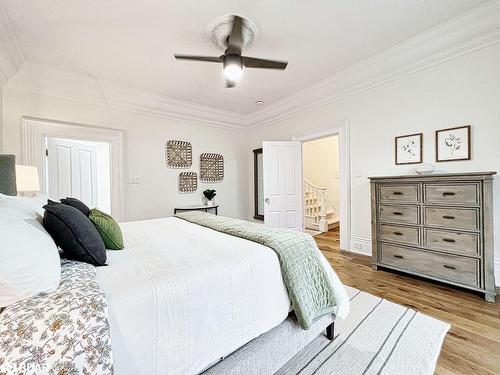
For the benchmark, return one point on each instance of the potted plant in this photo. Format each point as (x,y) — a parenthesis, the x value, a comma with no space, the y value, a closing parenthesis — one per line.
(209,194)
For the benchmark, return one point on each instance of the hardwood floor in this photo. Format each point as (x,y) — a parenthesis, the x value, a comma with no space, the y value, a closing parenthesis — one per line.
(472,346)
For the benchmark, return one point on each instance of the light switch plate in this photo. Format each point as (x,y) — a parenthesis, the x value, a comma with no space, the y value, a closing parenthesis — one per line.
(134,180)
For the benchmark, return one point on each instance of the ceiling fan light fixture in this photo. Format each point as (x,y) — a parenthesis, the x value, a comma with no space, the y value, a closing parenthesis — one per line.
(233,67)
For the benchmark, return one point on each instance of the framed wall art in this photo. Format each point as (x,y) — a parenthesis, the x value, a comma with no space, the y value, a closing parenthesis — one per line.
(211,167)
(408,149)
(188,182)
(178,154)
(453,144)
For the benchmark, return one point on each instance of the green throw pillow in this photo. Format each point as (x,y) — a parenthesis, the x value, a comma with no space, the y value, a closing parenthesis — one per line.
(108,228)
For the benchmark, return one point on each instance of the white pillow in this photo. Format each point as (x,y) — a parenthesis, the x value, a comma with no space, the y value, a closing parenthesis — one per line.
(24,207)
(29,259)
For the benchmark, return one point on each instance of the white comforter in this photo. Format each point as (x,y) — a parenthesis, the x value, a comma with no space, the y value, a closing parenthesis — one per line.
(182,296)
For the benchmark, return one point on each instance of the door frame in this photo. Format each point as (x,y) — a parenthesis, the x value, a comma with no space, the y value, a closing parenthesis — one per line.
(340,128)
(35,130)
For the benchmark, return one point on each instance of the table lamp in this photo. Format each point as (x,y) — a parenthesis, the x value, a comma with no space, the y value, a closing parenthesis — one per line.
(27,180)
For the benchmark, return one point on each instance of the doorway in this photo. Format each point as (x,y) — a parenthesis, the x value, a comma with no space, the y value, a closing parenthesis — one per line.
(78,169)
(340,129)
(320,171)
(35,133)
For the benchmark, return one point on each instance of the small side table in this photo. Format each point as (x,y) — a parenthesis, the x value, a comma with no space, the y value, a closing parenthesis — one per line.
(196,208)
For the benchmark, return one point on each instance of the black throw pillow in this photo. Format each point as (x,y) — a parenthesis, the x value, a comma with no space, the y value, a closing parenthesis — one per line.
(75,234)
(78,204)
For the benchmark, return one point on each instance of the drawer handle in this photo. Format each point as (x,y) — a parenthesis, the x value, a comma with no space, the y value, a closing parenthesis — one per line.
(448,217)
(398,233)
(449,267)
(397,193)
(448,193)
(449,240)
(398,256)
(397,213)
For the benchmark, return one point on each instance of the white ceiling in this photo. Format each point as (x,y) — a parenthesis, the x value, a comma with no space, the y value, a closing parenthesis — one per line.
(132,42)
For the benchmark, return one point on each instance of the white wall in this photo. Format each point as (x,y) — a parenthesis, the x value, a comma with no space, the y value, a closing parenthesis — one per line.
(144,143)
(320,159)
(458,92)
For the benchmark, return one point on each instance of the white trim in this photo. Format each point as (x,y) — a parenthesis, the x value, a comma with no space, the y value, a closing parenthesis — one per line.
(361,245)
(497,273)
(341,129)
(466,33)
(43,79)
(34,132)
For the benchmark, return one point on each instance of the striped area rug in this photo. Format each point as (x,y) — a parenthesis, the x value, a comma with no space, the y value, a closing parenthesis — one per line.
(378,337)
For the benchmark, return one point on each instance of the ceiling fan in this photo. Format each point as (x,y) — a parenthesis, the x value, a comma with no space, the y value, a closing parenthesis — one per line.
(232,60)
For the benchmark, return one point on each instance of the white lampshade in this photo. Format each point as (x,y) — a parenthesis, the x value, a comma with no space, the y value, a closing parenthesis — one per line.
(27,178)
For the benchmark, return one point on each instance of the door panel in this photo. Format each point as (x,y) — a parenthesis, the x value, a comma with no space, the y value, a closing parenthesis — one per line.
(62,170)
(85,177)
(282,169)
(72,171)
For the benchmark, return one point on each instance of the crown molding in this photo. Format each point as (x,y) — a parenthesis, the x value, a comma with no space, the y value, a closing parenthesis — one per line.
(43,79)
(466,33)
(11,57)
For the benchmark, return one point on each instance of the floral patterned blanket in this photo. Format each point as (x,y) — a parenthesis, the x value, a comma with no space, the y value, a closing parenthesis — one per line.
(65,332)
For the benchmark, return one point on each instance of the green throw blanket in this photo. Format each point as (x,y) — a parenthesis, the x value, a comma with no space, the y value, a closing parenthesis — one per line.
(303,272)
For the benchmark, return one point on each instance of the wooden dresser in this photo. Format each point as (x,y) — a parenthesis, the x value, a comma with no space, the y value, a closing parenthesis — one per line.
(438,226)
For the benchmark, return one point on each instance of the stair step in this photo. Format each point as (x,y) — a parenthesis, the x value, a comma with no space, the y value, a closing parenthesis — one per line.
(331,224)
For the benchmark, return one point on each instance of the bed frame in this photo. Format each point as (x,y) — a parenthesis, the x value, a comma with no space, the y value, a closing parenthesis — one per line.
(269,352)
(330,331)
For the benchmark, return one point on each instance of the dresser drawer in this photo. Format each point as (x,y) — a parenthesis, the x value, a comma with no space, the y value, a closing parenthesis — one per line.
(395,233)
(464,194)
(452,218)
(447,267)
(454,242)
(399,214)
(399,193)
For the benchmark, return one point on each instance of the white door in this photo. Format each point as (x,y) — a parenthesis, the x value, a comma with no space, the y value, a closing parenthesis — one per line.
(72,170)
(282,174)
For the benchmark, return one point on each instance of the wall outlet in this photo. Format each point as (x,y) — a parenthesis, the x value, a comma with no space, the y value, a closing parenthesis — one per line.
(134,180)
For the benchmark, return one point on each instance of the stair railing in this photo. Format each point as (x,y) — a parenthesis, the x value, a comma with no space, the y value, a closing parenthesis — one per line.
(319,210)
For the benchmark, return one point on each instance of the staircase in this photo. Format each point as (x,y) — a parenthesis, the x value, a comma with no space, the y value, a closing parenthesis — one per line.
(320,213)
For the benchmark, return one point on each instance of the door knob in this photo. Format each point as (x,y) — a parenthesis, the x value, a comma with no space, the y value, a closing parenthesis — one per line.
(267,200)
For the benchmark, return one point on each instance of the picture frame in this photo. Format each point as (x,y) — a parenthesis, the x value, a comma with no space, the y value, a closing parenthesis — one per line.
(408,149)
(453,144)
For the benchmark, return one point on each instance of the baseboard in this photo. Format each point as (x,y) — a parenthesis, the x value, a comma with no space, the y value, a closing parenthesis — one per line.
(361,245)
(497,273)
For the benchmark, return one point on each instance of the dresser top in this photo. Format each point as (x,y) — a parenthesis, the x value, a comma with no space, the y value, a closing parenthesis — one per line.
(436,175)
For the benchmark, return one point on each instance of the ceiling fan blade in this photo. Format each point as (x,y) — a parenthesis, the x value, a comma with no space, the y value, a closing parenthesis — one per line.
(235,40)
(199,58)
(252,62)
(230,84)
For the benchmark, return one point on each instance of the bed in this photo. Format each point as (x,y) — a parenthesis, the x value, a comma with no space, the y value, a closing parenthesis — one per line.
(181,296)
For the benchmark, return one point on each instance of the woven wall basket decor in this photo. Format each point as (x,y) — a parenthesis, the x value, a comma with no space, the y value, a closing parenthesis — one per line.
(178,154)
(188,182)
(211,167)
